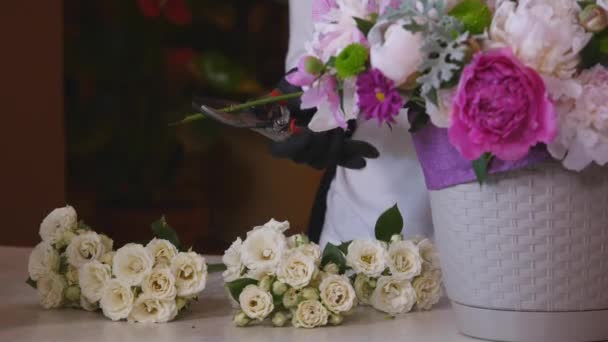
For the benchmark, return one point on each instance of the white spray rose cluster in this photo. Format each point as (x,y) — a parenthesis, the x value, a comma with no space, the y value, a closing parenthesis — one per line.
(396,276)
(282,279)
(76,267)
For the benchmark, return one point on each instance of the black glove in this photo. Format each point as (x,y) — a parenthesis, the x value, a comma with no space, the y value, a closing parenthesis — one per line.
(324,149)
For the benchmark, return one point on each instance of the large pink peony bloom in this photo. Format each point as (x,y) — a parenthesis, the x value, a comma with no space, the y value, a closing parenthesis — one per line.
(502,107)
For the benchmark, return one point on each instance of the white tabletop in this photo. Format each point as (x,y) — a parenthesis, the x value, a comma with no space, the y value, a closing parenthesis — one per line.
(22,319)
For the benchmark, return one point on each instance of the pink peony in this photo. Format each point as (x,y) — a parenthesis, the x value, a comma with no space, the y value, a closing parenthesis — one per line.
(502,107)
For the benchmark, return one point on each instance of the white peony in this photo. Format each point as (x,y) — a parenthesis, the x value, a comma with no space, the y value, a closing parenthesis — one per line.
(132,263)
(232,260)
(43,259)
(149,309)
(428,289)
(58,222)
(190,271)
(51,287)
(262,250)
(159,284)
(544,34)
(367,257)
(86,305)
(255,302)
(393,296)
(84,248)
(404,260)
(93,277)
(310,314)
(428,252)
(163,251)
(337,294)
(583,135)
(296,269)
(117,300)
(389,39)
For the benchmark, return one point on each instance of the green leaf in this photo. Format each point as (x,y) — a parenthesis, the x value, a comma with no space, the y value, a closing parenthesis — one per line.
(389,223)
(344,247)
(162,230)
(420,120)
(475,15)
(596,51)
(333,254)
(31,283)
(215,268)
(481,167)
(236,287)
(364,25)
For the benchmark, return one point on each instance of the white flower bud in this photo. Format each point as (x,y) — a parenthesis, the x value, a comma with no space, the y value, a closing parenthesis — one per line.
(331,268)
(72,294)
(335,319)
(240,319)
(309,293)
(279,288)
(279,319)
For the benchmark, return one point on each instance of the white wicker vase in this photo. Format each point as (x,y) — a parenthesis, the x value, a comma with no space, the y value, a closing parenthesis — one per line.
(525,256)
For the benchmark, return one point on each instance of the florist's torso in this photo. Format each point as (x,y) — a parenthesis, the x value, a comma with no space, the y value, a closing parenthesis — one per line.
(357,197)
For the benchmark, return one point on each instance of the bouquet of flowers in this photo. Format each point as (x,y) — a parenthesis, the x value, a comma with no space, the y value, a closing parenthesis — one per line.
(273,276)
(76,267)
(284,278)
(497,78)
(391,274)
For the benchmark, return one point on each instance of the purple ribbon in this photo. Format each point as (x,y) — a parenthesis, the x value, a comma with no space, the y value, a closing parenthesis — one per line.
(443,166)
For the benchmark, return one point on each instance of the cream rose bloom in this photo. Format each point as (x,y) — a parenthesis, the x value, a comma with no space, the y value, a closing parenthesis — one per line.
(363,288)
(190,272)
(51,287)
(163,251)
(337,294)
(84,248)
(232,260)
(58,222)
(404,260)
(117,300)
(149,309)
(86,305)
(43,259)
(278,226)
(429,255)
(108,243)
(296,269)
(132,263)
(428,289)
(262,250)
(367,257)
(389,39)
(544,34)
(159,284)
(93,277)
(311,250)
(255,302)
(393,296)
(310,314)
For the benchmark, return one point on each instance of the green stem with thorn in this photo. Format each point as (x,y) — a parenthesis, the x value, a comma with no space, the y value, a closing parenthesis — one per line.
(243,106)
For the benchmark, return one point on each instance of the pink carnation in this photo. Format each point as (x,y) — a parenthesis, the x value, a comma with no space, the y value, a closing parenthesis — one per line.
(501,107)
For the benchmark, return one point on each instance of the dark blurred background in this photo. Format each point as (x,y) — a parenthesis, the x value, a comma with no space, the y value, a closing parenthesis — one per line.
(90,87)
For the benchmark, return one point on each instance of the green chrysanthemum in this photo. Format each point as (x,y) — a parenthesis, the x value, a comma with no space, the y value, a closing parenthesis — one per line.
(351,61)
(475,15)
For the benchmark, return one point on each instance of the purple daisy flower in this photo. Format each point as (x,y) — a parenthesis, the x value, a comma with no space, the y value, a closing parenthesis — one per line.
(378,97)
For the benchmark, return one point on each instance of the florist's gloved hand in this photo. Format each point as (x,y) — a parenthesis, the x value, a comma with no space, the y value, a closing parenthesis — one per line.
(322,149)
(319,150)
